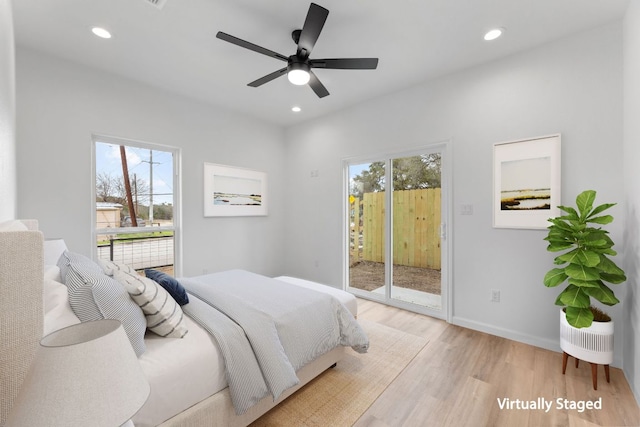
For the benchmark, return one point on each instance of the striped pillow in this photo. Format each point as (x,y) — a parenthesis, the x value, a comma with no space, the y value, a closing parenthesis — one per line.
(164,315)
(110,267)
(93,296)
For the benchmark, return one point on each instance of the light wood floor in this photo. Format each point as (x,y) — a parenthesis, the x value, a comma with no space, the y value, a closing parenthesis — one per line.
(458,377)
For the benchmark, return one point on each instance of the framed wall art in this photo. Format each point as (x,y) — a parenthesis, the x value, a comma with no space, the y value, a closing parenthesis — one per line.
(526,182)
(233,191)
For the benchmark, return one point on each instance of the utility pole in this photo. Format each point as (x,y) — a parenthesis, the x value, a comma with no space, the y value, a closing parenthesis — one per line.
(151,163)
(127,186)
(135,187)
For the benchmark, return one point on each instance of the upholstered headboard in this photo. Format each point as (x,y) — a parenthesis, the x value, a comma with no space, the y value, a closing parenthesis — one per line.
(21,308)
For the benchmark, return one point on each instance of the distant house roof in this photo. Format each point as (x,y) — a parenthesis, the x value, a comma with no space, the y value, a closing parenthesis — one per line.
(107,206)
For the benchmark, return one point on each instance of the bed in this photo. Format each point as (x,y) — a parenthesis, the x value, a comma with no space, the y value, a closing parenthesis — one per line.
(187,372)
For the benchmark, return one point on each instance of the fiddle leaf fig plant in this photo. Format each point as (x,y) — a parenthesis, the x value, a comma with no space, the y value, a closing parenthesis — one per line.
(584,264)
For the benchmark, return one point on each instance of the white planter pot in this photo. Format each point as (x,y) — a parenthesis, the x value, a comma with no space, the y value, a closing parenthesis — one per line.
(593,344)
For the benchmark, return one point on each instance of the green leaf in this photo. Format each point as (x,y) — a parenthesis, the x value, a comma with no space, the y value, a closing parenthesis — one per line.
(579,317)
(584,202)
(571,211)
(601,208)
(603,294)
(605,219)
(574,296)
(554,277)
(607,251)
(557,247)
(559,224)
(571,256)
(581,272)
(607,265)
(613,278)
(582,257)
(558,234)
(593,242)
(584,283)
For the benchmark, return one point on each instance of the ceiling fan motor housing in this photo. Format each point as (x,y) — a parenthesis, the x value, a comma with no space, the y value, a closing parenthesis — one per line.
(295,35)
(297,63)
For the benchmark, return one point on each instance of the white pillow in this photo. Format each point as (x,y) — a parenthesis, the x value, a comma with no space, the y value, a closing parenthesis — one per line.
(57,310)
(13,225)
(164,315)
(52,272)
(53,248)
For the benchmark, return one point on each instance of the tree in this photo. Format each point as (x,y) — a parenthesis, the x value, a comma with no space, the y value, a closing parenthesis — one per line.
(369,181)
(408,173)
(112,189)
(107,188)
(163,211)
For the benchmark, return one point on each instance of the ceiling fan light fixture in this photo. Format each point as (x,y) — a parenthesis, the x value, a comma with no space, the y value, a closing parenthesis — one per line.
(298,73)
(298,77)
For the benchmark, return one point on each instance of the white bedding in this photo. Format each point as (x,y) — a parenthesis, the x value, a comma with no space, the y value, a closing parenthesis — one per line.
(165,369)
(345,298)
(181,372)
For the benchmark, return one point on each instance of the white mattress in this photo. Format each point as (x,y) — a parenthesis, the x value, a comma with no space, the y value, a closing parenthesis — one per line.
(183,372)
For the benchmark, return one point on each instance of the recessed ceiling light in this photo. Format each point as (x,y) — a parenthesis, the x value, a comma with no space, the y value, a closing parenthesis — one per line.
(493,34)
(296,109)
(101,32)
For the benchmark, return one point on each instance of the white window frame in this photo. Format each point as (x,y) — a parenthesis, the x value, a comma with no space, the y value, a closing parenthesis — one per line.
(177,195)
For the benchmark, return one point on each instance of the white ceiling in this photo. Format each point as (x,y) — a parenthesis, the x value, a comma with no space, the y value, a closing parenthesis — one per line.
(175,48)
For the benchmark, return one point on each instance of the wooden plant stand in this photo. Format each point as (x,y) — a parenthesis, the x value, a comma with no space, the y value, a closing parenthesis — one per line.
(594,369)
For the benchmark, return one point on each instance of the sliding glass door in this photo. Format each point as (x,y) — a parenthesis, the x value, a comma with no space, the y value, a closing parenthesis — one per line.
(396,239)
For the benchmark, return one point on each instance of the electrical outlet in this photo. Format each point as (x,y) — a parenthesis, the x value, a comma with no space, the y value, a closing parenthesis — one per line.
(495,295)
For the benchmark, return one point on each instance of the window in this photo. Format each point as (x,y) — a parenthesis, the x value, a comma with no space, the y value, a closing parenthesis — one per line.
(136,219)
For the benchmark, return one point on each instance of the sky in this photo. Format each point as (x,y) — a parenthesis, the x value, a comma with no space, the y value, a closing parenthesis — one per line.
(526,174)
(236,185)
(108,161)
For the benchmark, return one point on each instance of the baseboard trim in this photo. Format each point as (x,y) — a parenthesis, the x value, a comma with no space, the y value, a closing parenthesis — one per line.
(548,344)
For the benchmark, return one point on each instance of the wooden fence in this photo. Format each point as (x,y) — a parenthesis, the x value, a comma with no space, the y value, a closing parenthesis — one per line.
(416,228)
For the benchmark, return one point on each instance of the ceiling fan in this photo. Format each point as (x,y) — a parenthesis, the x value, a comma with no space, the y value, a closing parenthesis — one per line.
(299,65)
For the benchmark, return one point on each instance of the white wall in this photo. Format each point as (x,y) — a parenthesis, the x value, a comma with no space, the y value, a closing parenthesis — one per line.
(572,86)
(61,104)
(631,315)
(8,198)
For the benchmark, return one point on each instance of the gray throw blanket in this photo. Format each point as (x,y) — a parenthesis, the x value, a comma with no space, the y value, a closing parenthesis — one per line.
(268,329)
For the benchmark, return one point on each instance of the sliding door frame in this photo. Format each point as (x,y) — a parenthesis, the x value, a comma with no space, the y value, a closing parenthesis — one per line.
(446,232)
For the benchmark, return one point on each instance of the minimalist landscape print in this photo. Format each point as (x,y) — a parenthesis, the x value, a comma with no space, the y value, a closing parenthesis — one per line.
(233,191)
(526,184)
(238,191)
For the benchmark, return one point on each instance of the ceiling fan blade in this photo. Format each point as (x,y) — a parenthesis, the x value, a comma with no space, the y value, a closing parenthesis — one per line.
(316,17)
(346,63)
(317,86)
(268,77)
(254,47)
